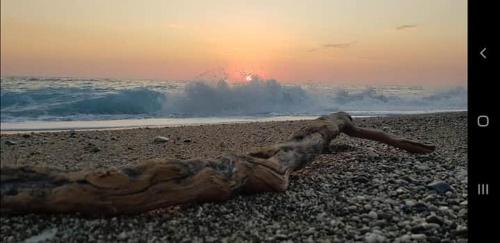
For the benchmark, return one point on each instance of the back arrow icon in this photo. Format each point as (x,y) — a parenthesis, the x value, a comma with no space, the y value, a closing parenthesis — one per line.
(482,53)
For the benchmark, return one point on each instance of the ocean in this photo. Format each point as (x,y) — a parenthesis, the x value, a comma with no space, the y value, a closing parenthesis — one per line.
(41,103)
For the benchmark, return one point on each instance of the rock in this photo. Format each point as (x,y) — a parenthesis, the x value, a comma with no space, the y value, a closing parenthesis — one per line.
(413,206)
(385,216)
(461,231)
(434,239)
(367,207)
(26,135)
(380,222)
(45,236)
(421,167)
(420,207)
(187,140)
(9,142)
(418,237)
(371,153)
(361,179)
(405,238)
(420,228)
(410,203)
(400,190)
(434,219)
(431,226)
(439,186)
(374,238)
(160,139)
(123,235)
(309,231)
(92,148)
(373,215)
(462,213)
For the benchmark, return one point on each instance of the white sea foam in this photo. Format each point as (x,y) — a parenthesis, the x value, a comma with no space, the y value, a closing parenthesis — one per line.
(37,99)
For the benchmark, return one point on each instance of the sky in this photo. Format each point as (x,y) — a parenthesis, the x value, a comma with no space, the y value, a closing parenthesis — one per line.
(417,42)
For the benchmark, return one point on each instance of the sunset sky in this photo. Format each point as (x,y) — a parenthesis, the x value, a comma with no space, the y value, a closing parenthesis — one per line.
(361,42)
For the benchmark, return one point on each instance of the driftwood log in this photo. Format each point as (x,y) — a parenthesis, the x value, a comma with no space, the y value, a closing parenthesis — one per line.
(164,182)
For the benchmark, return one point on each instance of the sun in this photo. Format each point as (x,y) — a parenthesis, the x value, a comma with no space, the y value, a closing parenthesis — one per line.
(249,77)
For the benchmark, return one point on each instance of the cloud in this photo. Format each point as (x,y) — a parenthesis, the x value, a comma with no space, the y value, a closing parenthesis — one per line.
(339,45)
(406,26)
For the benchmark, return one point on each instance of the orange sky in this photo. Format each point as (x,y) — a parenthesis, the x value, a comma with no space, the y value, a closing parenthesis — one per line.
(362,42)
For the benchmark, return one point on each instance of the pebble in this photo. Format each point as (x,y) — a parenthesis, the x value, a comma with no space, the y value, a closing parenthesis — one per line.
(461,231)
(160,139)
(93,148)
(374,238)
(373,215)
(10,142)
(410,203)
(44,236)
(434,219)
(405,238)
(123,235)
(439,186)
(419,237)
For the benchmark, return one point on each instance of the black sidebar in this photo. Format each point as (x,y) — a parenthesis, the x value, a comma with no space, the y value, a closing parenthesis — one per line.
(484,139)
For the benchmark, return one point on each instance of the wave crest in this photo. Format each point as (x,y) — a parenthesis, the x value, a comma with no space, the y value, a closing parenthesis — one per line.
(199,99)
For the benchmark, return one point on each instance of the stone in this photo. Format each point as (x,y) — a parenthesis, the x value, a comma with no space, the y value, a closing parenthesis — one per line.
(123,235)
(439,186)
(374,238)
(431,226)
(45,236)
(405,238)
(373,215)
(420,237)
(160,139)
(434,219)
(418,228)
(461,231)
(410,203)
(9,142)
(462,213)
(93,148)
(400,190)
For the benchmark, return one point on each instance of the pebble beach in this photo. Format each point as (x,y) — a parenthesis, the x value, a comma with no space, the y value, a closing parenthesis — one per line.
(360,191)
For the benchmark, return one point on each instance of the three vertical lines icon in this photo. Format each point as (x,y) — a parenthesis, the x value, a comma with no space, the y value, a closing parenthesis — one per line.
(482,189)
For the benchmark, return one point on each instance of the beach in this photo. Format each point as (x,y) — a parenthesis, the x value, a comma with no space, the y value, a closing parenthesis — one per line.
(359,191)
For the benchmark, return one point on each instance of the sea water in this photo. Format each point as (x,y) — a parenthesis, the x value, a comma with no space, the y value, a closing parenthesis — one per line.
(41,103)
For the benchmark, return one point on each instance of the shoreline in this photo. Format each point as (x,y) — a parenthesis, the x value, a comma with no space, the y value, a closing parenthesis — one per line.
(94,125)
(359,191)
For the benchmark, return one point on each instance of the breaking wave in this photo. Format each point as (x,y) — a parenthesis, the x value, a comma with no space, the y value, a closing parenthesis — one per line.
(199,99)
